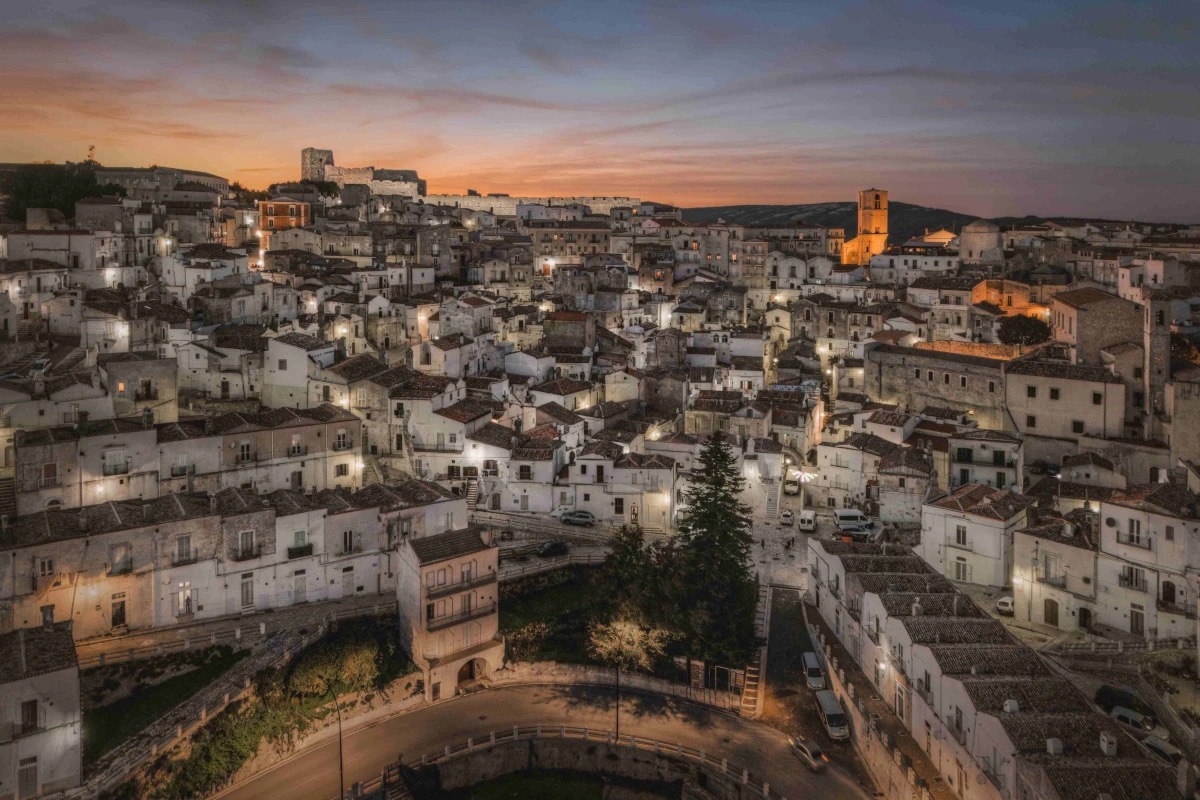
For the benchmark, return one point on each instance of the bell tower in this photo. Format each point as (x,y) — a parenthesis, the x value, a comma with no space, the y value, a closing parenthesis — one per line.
(872,222)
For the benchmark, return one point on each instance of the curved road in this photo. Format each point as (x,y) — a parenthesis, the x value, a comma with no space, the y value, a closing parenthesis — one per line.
(313,774)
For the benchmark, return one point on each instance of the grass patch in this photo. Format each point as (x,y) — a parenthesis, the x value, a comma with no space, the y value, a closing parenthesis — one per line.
(547,620)
(108,726)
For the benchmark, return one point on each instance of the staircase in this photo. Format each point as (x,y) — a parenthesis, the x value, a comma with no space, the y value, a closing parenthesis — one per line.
(372,473)
(749,706)
(396,788)
(772,508)
(8,497)
(27,330)
(69,363)
(472,494)
(750,690)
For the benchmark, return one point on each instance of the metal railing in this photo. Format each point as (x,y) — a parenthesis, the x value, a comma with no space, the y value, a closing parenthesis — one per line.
(183,559)
(460,586)
(300,551)
(1052,580)
(438,623)
(755,783)
(116,469)
(49,483)
(1184,609)
(1135,582)
(247,553)
(1146,543)
(958,733)
(182,470)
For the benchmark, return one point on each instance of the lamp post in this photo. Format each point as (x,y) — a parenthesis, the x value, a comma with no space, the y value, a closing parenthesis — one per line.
(341,763)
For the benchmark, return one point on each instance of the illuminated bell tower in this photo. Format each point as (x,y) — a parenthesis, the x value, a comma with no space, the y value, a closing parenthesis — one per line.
(872,223)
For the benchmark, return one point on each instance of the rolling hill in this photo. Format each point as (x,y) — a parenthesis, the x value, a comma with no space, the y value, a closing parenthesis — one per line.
(905,220)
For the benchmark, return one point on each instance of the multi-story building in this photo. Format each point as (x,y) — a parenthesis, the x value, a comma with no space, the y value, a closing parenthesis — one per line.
(967,535)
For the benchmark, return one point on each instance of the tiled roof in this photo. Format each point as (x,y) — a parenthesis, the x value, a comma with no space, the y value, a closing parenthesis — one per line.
(1082,298)
(303,341)
(355,368)
(1063,370)
(559,412)
(465,410)
(984,501)
(494,435)
(36,651)
(1164,498)
(452,544)
(562,387)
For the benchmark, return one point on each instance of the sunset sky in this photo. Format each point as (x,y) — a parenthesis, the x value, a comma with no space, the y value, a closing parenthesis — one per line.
(985,108)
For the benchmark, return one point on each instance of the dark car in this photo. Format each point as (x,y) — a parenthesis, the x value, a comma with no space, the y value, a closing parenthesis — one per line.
(555,548)
(1110,697)
(578,518)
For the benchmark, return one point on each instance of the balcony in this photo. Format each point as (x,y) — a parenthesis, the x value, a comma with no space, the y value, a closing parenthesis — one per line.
(50,483)
(438,623)
(1145,543)
(182,470)
(964,458)
(297,450)
(435,448)
(121,567)
(872,634)
(247,554)
(967,545)
(301,551)
(146,394)
(1051,580)
(434,592)
(116,469)
(245,458)
(183,559)
(1182,609)
(349,551)
(1134,582)
(958,733)
(341,445)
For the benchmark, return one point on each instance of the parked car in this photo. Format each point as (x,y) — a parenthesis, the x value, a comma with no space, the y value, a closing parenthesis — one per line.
(578,518)
(1006,606)
(39,367)
(813,676)
(787,518)
(833,716)
(791,486)
(555,548)
(807,521)
(1138,724)
(1163,749)
(808,752)
(1109,697)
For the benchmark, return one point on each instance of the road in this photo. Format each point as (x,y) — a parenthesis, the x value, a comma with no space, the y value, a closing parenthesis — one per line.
(314,774)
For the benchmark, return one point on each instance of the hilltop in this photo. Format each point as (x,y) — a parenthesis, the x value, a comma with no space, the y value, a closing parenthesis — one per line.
(905,220)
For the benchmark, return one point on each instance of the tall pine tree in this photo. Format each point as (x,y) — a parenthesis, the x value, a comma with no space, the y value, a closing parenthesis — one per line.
(719,591)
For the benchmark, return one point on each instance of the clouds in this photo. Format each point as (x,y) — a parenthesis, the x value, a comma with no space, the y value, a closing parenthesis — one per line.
(981,108)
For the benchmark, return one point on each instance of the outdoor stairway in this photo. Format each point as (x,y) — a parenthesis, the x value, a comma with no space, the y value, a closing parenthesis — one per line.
(472,494)
(372,473)
(8,497)
(750,692)
(752,688)
(396,788)
(27,330)
(69,363)
(772,509)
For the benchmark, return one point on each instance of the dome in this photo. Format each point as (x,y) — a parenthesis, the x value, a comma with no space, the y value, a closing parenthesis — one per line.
(981,226)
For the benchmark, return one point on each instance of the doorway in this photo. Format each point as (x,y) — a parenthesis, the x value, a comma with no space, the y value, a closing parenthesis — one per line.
(1137,620)
(1050,612)
(27,778)
(118,610)
(1085,619)
(299,587)
(347,581)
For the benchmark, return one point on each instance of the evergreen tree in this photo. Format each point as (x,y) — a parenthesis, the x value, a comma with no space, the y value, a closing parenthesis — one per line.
(1020,329)
(718,589)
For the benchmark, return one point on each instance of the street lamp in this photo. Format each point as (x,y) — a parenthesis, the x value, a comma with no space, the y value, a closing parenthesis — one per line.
(341,763)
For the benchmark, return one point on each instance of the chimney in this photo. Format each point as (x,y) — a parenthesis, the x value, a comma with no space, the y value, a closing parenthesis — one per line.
(916,608)
(1054,747)
(974,669)
(1108,743)
(1011,706)
(212,504)
(1068,530)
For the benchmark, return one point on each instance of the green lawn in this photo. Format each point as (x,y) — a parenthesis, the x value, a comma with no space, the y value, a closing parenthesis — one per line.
(108,726)
(521,786)
(564,607)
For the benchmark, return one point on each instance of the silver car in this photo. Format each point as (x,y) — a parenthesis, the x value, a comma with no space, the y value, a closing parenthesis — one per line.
(808,752)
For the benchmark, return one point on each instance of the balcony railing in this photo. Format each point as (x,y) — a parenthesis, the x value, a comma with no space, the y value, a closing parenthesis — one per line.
(432,592)
(351,550)
(872,634)
(1144,542)
(246,554)
(50,483)
(435,448)
(298,450)
(1052,580)
(1132,582)
(182,470)
(438,623)
(245,458)
(146,394)
(968,545)
(1183,609)
(121,568)
(958,733)
(182,559)
(116,469)
(300,551)
(339,446)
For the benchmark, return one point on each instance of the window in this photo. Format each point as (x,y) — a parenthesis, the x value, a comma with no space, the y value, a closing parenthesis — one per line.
(1031,391)
(121,387)
(960,535)
(929,375)
(120,558)
(29,716)
(341,471)
(946,378)
(299,538)
(247,589)
(246,544)
(962,381)
(1077,426)
(45,567)
(1030,421)
(619,505)
(587,498)
(349,539)
(183,548)
(1169,533)
(1054,394)
(992,386)
(525,473)
(244,451)
(1097,398)
(917,373)
(583,469)
(283,363)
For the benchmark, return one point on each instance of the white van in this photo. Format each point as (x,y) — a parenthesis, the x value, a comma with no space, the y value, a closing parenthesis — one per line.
(806,520)
(791,486)
(851,519)
(833,716)
(813,676)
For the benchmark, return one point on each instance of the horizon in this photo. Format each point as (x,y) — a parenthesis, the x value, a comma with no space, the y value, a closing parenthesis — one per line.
(1080,111)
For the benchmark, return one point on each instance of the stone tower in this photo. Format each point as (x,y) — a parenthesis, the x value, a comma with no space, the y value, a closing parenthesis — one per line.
(873,222)
(313,162)
(1157,350)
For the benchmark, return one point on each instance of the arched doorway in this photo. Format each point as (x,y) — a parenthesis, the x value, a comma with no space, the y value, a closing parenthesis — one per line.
(472,670)
(1050,613)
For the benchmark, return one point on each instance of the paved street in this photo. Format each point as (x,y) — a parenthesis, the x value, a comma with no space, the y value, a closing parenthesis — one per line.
(313,775)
